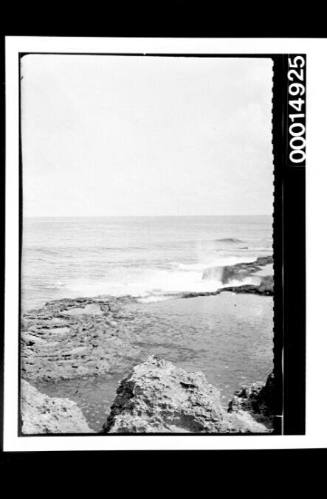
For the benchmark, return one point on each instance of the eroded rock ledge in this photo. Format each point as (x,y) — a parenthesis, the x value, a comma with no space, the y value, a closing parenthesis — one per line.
(158,397)
(70,338)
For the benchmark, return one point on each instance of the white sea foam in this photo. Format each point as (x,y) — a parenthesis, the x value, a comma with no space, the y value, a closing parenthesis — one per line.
(150,259)
(151,285)
(155,284)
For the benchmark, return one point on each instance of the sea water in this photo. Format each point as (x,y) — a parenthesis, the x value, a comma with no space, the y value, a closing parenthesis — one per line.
(149,258)
(228,337)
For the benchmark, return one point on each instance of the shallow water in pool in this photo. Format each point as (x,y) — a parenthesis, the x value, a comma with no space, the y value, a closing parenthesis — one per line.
(229,337)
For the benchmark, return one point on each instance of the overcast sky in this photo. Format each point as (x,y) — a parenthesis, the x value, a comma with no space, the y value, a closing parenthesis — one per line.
(109,135)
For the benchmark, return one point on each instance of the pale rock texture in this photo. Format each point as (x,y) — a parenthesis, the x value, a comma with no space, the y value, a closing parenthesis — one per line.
(43,414)
(158,397)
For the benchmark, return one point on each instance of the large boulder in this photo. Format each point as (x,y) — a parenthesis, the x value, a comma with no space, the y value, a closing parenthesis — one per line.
(43,414)
(158,397)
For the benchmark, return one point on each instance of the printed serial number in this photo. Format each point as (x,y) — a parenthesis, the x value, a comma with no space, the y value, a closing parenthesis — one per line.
(296,109)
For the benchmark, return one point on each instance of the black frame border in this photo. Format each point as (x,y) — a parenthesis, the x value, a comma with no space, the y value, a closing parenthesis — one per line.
(288,253)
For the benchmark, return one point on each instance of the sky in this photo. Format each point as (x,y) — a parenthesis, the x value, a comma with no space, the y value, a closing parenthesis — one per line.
(133,135)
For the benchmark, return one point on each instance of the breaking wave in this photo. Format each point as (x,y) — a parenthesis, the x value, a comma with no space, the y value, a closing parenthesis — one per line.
(151,259)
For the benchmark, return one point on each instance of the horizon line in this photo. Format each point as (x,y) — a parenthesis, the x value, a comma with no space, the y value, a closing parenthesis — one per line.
(149,216)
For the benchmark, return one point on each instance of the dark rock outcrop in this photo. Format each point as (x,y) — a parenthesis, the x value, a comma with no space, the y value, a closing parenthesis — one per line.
(238,271)
(259,399)
(42,414)
(158,397)
(196,294)
(266,287)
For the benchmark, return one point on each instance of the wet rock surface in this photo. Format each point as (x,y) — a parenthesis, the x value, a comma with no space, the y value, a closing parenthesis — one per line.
(265,288)
(71,338)
(42,414)
(238,271)
(158,397)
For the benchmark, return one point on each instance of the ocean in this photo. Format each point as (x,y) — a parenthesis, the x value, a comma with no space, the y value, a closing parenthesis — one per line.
(229,337)
(149,258)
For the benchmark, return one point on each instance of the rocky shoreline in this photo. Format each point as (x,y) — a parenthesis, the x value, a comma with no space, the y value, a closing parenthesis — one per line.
(76,337)
(156,397)
(238,271)
(263,286)
(82,339)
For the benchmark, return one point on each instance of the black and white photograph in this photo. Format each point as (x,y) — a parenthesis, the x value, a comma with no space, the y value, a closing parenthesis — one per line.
(160,239)
(147,262)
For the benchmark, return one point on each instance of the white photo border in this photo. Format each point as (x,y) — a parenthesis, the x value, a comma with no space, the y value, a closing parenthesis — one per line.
(316,430)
